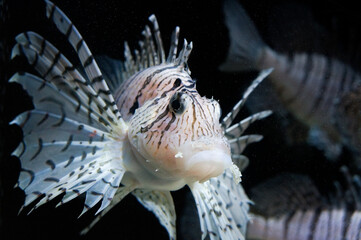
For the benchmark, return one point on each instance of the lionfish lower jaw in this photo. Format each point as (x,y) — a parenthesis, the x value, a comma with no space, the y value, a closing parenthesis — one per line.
(207,164)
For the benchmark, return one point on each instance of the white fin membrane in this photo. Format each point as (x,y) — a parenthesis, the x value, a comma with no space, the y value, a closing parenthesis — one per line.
(161,204)
(72,137)
(222,207)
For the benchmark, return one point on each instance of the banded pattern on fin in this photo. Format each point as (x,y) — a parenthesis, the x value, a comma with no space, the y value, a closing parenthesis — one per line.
(161,204)
(150,53)
(119,195)
(87,60)
(234,133)
(60,151)
(58,71)
(73,137)
(238,129)
(113,71)
(228,119)
(222,207)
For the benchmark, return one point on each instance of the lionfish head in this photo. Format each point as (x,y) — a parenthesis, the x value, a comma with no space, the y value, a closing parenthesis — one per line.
(179,135)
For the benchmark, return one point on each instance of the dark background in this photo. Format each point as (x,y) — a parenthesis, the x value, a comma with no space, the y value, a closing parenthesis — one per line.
(328,27)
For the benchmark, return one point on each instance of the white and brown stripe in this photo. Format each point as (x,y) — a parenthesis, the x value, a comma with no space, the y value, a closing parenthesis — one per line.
(77,141)
(310,85)
(290,206)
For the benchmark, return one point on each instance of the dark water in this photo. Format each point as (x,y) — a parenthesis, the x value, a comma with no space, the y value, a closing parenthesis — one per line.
(328,27)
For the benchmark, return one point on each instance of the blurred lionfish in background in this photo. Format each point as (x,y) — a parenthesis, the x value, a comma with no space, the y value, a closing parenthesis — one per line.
(319,91)
(148,133)
(324,93)
(291,206)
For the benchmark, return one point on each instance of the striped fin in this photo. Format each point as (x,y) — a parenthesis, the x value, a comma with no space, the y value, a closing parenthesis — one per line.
(234,133)
(150,52)
(113,71)
(119,195)
(158,39)
(59,155)
(131,66)
(233,194)
(173,46)
(241,161)
(228,119)
(237,130)
(88,62)
(58,159)
(222,207)
(106,187)
(161,204)
(73,137)
(54,67)
(183,56)
(240,143)
(63,102)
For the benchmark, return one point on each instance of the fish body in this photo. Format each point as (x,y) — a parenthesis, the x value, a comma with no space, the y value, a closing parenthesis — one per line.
(309,86)
(137,126)
(291,206)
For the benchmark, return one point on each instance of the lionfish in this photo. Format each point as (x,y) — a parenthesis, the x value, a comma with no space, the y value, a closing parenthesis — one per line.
(291,206)
(315,89)
(148,133)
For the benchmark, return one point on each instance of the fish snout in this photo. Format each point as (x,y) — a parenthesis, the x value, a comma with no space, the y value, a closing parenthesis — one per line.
(202,161)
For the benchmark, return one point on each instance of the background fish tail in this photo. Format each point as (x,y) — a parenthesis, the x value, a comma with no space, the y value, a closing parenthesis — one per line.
(245,42)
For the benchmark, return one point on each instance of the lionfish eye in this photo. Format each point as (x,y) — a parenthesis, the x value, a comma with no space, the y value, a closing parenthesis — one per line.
(176,103)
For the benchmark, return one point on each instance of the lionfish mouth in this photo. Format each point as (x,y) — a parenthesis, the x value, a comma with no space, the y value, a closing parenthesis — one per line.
(207,164)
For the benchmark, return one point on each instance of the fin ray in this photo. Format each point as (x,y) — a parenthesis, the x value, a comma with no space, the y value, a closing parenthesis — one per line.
(66,27)
(161,204)
(119,195)
(228,119)
(55,68)
(222,207)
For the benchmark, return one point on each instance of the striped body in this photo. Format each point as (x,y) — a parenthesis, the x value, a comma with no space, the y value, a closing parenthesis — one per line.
(137,126)
(293,209)
(309,86)
(310,224)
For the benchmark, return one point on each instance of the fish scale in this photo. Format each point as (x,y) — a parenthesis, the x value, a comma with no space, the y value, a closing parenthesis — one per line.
(148,134)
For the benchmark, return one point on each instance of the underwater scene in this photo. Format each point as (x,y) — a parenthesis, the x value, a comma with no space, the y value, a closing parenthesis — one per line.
(185,120)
